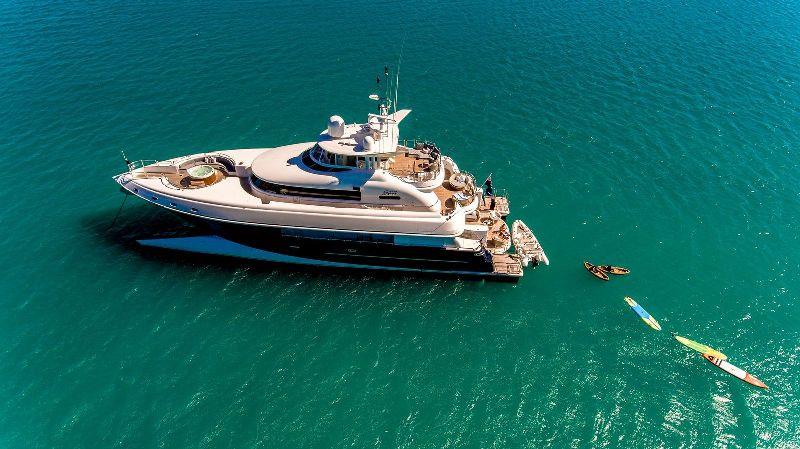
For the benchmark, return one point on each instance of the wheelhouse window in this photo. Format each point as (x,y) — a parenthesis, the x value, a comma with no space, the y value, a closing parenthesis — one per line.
(307,192)
(316,158)
(320,160)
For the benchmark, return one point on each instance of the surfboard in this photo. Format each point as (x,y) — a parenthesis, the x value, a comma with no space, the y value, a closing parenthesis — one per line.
(699,347)
(649,320)
(734,371)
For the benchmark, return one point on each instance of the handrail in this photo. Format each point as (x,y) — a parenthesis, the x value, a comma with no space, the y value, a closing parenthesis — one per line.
(135,165)
(415,141)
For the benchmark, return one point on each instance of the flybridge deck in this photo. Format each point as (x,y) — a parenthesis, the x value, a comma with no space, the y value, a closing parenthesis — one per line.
(413,165)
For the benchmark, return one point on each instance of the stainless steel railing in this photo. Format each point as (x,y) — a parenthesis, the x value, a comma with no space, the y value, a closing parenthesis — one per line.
(135,165)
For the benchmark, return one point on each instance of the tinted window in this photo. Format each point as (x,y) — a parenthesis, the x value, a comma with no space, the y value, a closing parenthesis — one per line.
(305,191)
(336,235)
(309,162)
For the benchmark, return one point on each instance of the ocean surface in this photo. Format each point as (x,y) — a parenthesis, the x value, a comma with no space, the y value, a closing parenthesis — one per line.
(658,135)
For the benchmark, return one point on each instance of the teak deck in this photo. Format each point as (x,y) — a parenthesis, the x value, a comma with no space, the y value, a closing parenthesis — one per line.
(405,164)
(506,264)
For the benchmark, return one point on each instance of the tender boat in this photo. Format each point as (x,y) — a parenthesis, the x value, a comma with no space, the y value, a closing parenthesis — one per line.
(355,197)
(527,245)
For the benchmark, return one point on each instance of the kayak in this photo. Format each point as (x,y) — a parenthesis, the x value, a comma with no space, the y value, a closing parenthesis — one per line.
(610,269)
(699,347)
(734,371)
(643,314)
(595,270)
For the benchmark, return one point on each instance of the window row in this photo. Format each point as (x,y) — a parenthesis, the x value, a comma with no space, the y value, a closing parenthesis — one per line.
(354,194)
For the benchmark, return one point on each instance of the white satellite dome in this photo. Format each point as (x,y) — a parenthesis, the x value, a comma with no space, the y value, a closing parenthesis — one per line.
(336,126)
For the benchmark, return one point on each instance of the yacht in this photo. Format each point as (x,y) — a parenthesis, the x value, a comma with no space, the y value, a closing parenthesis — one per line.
(355,197)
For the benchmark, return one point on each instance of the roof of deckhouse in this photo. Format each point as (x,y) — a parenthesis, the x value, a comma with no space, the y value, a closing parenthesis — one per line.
(352,142)
(283,165)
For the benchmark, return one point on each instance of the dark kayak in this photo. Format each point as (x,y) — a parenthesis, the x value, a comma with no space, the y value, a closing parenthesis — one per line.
(619,271)
(595,270)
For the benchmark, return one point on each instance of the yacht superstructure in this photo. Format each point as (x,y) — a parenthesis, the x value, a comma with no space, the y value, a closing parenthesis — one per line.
(356,197)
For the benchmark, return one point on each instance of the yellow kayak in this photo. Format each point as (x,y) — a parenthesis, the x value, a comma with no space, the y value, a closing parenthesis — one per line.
(699,347)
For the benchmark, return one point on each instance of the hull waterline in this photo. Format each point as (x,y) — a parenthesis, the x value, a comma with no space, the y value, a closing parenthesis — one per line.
(219,246)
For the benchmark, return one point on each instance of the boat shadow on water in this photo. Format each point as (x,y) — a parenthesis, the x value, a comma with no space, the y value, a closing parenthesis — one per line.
(139,222)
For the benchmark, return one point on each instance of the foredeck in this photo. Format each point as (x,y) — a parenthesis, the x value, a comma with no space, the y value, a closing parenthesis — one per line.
(182,180)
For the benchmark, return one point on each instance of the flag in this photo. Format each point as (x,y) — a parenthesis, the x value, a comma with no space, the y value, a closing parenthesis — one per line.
(488,183)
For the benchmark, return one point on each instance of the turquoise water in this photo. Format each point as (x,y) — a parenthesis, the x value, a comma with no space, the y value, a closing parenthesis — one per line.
(657,135)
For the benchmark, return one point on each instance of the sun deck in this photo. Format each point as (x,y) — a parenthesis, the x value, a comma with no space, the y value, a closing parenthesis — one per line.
(407,163)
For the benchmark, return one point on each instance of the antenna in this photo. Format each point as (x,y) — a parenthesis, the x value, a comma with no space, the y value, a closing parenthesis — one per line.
(399,61)
(386,78)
